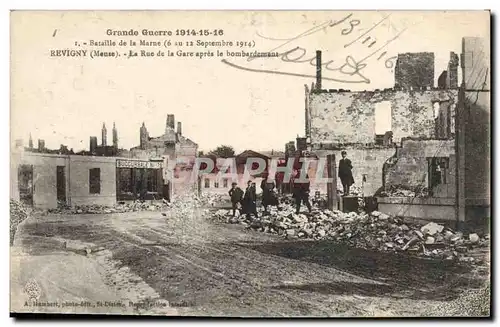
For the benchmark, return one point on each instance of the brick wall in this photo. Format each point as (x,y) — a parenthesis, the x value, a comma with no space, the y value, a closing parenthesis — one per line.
(410,167)
(414,70)
(364,161)
(349,117)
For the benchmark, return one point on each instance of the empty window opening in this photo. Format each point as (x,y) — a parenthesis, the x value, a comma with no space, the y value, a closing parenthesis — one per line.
(95,181)
(435,105)
(383,121)
(438,171)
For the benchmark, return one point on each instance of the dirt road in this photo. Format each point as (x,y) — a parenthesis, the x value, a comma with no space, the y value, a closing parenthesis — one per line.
(207,268)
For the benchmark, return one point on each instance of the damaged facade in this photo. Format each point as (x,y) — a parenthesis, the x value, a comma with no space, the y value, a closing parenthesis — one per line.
(105,174)
(405,137)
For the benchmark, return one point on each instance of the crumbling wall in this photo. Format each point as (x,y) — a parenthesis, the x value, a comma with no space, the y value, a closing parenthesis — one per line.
(473,126)
(366,161)
(414,70)
(410,168)
(344,117)
(477,146)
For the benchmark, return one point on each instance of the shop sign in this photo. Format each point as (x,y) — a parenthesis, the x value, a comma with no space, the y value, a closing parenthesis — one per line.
(138,164)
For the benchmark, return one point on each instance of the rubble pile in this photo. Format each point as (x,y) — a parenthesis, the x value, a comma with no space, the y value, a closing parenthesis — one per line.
(18,213)
(118,208)
(354,190)
(376,231)
(212,200)
(398,191)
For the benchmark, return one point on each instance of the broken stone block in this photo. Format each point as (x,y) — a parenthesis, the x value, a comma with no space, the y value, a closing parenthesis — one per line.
(321,233)
(430,240)
(410,243)
(383,216)
(404,228)
(448,235)
(432,228)
(375,213)
(474,238)
(419,234)
(439,238)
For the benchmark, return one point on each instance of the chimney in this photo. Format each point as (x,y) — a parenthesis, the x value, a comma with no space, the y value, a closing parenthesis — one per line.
(104,135)
(30,142)
(179,128)
(318,69)
(452,77)
(171,122)
(115,136)
(93,144)
(41,145)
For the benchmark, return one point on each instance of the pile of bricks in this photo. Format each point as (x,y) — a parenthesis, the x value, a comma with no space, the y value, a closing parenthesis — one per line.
(120,207)
(376,231)
(398,191)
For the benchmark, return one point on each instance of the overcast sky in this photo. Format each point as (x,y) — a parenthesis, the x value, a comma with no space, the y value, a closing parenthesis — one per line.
(66,100)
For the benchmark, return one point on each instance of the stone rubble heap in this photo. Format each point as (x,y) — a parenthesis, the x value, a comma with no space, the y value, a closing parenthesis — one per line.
(398,191)
(376,231)
(120,207)
(206,200)
(18,213)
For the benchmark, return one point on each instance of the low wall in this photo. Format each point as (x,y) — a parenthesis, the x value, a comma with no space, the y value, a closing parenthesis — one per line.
(432,209)
(411,166)
(368,162)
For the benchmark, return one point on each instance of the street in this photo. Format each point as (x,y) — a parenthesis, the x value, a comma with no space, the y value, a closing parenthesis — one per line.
(203,267)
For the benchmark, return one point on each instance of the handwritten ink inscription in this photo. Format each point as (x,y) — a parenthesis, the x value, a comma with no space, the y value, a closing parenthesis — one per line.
(349,66)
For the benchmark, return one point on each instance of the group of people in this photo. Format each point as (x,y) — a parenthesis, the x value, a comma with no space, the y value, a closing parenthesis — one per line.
(246,201)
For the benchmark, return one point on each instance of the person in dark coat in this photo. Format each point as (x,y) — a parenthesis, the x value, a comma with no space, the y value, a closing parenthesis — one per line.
(252,209)
(250,200)
(345,172)
(269,198)
(236,195)
(246,194)
(301,193)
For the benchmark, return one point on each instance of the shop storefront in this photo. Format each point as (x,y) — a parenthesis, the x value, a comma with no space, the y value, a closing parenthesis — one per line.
(139,179)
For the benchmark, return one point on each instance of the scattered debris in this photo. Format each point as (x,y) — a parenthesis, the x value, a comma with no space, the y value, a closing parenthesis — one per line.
(474,238)
(432,228)
(376,230)
(401,191)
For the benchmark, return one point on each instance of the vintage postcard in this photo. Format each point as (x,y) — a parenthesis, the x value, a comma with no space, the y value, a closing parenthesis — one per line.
(250,163)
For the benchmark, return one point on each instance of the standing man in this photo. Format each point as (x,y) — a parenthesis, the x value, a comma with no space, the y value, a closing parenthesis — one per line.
(250,200)
(236,195)
(246,197)
(345,173)
(268,196)
(301,193)
(252,209)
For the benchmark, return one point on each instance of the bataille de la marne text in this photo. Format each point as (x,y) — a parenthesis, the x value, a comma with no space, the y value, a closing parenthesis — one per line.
(77,51)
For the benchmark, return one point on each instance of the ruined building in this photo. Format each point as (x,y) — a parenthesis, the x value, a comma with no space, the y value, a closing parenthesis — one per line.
(172,143)
(414,70)
(103,150)
(406,137)
(371,125)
